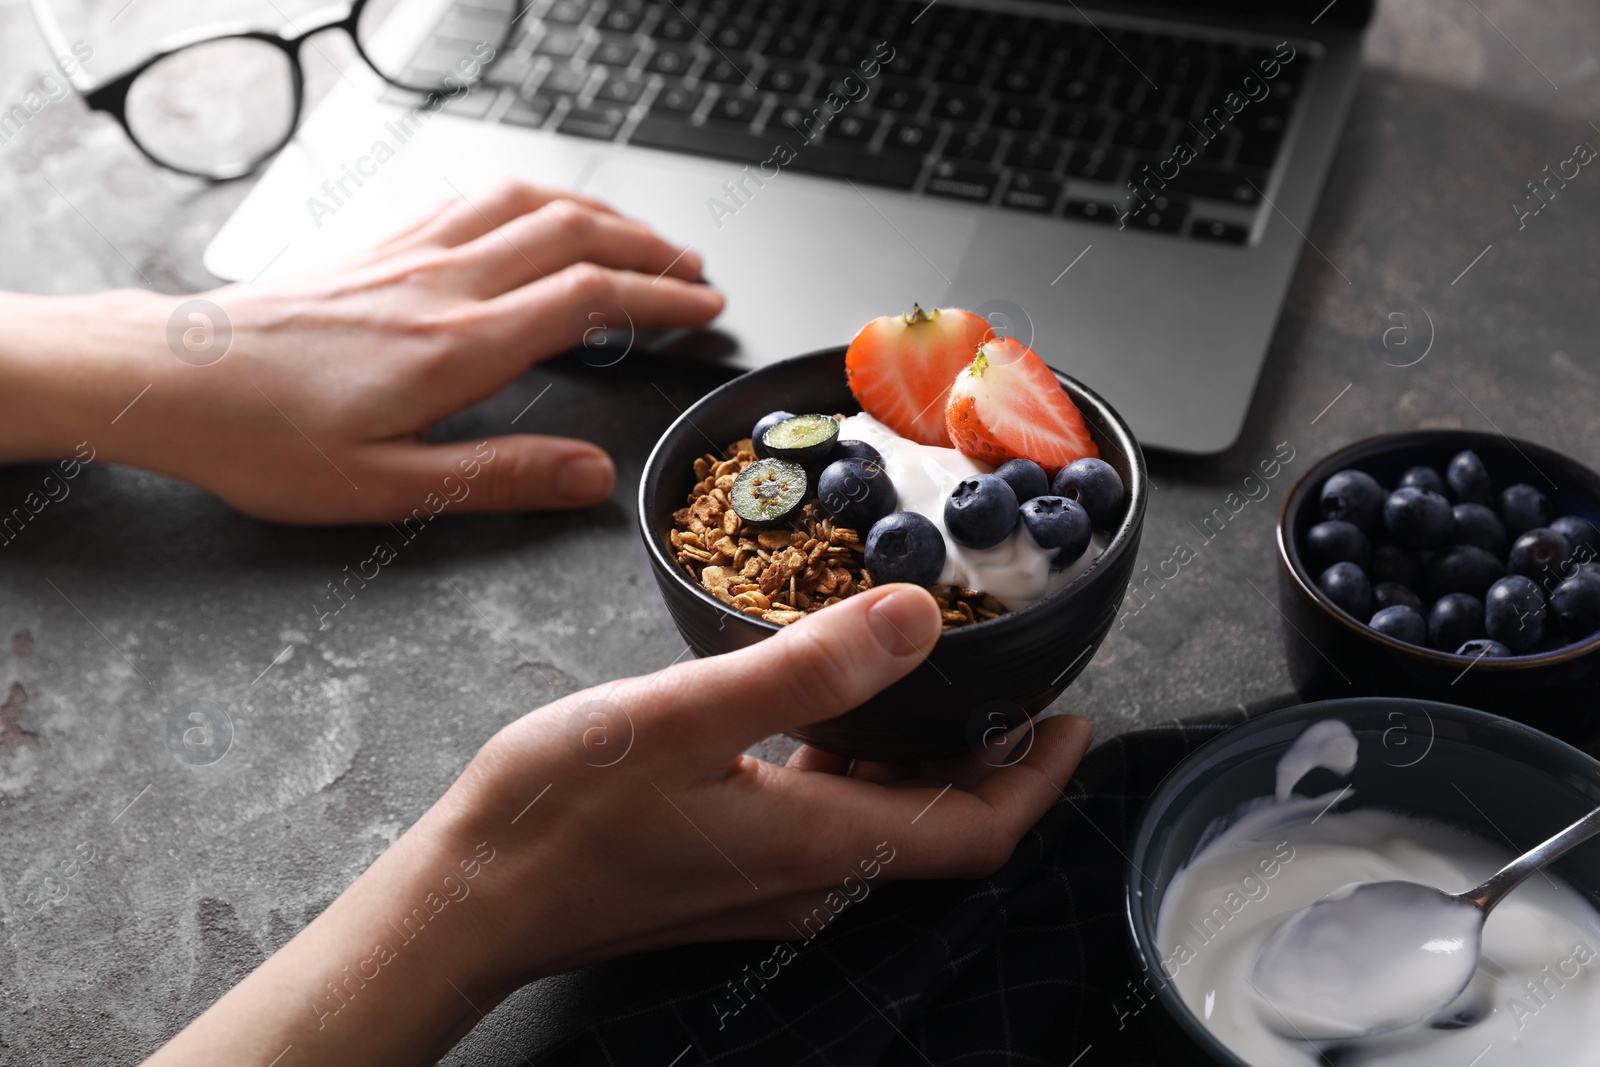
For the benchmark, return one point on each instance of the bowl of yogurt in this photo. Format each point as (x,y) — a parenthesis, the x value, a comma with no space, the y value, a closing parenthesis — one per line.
(980,680)
(1300,804)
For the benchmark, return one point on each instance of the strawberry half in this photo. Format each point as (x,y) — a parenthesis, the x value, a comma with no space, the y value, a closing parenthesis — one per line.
(1008,405)
(900,368)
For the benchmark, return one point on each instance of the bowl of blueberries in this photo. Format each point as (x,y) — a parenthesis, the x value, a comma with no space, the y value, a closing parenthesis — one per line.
(1447,565)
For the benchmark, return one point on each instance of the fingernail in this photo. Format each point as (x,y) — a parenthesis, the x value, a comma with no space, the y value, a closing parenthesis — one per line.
(693,264)
(902,622)
(585,478)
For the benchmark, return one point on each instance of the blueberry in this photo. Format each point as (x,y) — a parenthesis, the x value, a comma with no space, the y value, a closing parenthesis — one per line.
(1478,525)
(1423,478)
(1096,485)
(804,439)
(1469,479)
(1576,604)
(853,449)
(981,511)
(1581,532)
(1391,563)
(1482,648)
(1025,477)
(1463,569)
(769,492)
(1402,624)
(1059,523)
(1523,508)
(1514,612)
(1354,496)
(1419,518)
(1454,620)
(1538,553)
(760,428)
(1393,594)
(904,546)
(1336,541)
(856,492)
(1346,585)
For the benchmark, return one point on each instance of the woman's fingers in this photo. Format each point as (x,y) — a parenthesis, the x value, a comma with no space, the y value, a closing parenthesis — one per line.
(955,833)
(560,234)
(814,669)
(563,311)
(806,758)
(461,218)
(883,773)
(523,472)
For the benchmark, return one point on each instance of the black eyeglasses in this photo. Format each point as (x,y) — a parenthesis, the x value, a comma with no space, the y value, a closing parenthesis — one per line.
(218,104)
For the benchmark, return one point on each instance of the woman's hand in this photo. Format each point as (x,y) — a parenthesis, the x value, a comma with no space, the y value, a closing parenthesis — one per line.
(315,410)
(625,818)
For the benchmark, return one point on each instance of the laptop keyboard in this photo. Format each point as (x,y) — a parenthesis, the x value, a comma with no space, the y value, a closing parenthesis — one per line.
(1025,114)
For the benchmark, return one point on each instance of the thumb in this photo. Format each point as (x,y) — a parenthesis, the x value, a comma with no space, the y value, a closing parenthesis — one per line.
(814,669)
(522,472)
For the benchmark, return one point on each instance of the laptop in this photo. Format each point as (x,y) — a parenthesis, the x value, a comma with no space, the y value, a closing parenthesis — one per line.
(1122,186)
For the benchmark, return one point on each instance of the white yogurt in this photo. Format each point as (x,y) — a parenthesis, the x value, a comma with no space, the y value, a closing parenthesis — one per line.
(1534,998)
(1015,572)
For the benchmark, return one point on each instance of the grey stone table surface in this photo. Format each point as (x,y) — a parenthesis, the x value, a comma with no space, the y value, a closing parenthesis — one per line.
(137,598)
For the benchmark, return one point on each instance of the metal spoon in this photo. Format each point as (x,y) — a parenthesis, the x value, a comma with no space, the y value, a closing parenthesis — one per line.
(1374,956)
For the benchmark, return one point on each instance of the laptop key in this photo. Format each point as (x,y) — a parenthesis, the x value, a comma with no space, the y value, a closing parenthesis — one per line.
(962,181)
(958,106)
(1035,153)
(509,68)
(675,28)
(1090,210)
(734,110)
(853,164)
(1078,124)
(957,70)
(1031,191)
(788,44)
(615,53)
(529,111)
(852,127)
(722,71)
(601,123)
(677,100)
(1077,90)
(974,146)
(731,37)
(1097,163)
(901,98)
(561,44)
(723,142)
(1023,81)
(910,137)
(1147,134)
(670,59)
(1018,115)
(620,88)
(784,78)
(1225,232)
(1163,213)
(571,80)
(566,12)
(622,20)
(1240,185)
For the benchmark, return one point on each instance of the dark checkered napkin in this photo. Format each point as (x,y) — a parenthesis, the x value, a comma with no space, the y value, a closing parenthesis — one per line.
(1029,966)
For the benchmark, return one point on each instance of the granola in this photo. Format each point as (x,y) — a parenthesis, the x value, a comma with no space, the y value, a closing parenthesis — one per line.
(782,574)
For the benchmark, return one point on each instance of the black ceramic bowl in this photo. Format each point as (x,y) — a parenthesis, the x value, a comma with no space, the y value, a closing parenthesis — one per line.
(1500,779)
(1330,654)
(1014,665)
